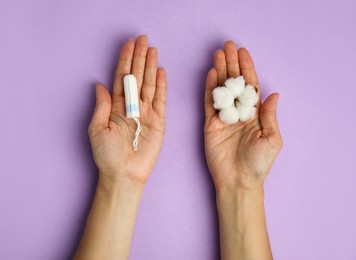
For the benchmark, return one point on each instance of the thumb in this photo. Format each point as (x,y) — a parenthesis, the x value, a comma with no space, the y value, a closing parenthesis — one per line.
(103,106)
(268,118)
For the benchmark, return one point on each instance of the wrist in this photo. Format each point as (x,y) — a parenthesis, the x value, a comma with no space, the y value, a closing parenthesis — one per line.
(119,185)
(239,189)
(239,182)
(234,198)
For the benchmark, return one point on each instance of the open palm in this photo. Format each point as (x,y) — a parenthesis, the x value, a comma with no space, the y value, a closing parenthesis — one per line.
(243,153)
(111,133)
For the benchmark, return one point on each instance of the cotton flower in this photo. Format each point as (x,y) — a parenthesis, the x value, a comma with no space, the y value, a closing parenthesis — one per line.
(222,98)
(235,85)
(235,101)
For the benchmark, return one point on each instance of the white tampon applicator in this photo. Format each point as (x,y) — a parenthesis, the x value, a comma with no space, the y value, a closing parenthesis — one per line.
(132,104)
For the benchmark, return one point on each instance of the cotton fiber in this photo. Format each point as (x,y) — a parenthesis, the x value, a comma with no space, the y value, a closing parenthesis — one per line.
(249,96)
(245,112)
(229,115)
(222,98)
(235,101)
(235,85)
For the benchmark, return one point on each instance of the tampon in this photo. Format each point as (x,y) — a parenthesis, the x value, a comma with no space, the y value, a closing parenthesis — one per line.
(132,104)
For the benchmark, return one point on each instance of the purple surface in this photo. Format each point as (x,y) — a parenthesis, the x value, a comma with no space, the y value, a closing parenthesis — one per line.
(52,53)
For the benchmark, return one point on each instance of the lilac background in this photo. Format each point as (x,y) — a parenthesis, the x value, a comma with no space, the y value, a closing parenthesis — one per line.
(52,53)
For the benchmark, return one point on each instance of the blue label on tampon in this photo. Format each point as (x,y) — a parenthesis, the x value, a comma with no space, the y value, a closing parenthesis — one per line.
(132,108)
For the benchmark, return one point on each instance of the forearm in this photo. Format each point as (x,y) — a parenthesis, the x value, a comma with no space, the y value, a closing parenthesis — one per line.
(243,232)
(110,225)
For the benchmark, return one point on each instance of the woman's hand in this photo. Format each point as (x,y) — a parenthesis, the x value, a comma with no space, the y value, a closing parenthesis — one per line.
(242,154)
(112,134)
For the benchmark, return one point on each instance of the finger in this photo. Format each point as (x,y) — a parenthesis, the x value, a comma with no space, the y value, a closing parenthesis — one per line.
(123,68)
(211,83)
(232,60)
(220,66)
(139,59)
(247,67)
(102,108)
(268,117)
(149,82)
(159,100)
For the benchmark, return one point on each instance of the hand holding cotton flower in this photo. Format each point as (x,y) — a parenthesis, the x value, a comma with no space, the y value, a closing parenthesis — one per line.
(242,137)
(242,140)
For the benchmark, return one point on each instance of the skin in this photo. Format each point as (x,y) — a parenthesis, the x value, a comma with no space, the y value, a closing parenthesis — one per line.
(240,157)
(123,172)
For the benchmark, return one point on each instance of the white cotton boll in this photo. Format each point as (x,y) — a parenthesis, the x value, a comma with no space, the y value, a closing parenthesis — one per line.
(249,96)
(235,85)
(229,115)
(245,112)
(222,98)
